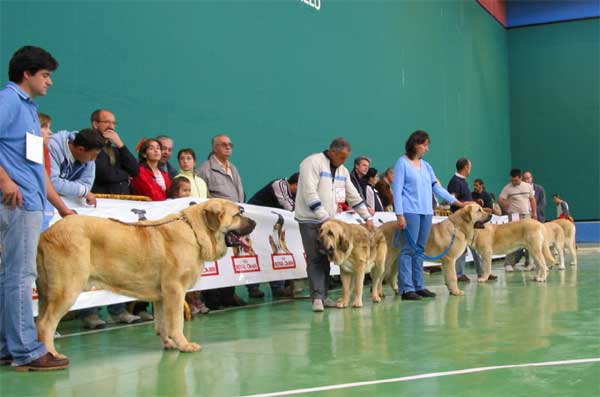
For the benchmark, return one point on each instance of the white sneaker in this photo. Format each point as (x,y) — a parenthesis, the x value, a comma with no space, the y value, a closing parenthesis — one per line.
(328,302)
(509,268)
(93,321)
(317,305)
(145,316)
(123,318)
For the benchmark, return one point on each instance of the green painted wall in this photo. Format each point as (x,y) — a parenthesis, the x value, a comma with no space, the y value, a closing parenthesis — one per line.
(555,110)
(280,77)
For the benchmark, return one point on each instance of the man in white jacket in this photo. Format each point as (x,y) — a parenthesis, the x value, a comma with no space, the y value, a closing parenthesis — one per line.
(324,183)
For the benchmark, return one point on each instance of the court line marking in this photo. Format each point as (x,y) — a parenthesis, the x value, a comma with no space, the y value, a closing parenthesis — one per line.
(423,376)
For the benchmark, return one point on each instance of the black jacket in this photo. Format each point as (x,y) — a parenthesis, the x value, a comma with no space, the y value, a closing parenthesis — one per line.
(114,179)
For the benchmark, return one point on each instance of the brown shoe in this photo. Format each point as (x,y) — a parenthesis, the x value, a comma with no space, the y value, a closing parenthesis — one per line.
(492,277)
(6,360)
(45,363)
(463,277)
(256,293)
(235,300)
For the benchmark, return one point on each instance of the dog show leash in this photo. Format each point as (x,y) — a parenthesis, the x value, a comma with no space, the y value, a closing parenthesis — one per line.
(182,217)
(421,251)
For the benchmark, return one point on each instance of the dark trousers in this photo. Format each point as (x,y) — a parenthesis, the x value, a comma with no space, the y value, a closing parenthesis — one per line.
(317,263)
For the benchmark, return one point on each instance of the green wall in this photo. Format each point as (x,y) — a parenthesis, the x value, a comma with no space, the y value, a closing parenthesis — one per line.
(281,78)
(555,108)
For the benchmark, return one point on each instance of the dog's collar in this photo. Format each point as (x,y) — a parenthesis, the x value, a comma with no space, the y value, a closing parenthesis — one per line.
(184,218)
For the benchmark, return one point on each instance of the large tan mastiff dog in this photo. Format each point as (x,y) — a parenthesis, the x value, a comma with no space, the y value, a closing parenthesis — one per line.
(555,237)
(569,230)
(153,261)
(357,251)
(460,224)
(509,237)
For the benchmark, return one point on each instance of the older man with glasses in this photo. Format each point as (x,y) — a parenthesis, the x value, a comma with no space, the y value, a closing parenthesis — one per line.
(223,181)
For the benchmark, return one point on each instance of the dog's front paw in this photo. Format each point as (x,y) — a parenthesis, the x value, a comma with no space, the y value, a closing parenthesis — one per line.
(457,292)
(376,298)
(190,347)
(539,279)
(341,304)
(561,268)
(482,279)
(357,304)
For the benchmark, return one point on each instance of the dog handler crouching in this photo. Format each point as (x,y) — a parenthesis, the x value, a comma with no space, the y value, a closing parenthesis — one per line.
(323,184)
(414,185)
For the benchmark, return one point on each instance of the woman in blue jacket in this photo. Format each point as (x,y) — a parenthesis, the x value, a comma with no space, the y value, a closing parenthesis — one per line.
(414,185)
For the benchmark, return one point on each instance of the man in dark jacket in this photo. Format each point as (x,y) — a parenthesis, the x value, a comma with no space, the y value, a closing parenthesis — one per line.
(115,165)
(459,187)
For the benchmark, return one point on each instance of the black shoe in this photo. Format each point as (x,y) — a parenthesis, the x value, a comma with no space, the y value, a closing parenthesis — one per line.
(411,296)
(425,293)
(492,277)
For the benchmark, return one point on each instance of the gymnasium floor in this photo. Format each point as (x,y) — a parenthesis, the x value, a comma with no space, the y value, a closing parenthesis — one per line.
(395,348)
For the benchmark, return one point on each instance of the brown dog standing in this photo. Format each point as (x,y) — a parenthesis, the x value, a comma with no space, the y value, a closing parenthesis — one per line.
(154,261)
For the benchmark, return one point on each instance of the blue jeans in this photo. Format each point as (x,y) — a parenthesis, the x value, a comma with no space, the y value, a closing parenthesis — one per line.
(19,237)
(410,264)
(460,263)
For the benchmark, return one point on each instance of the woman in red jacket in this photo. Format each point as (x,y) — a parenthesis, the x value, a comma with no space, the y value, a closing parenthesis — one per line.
(151,182)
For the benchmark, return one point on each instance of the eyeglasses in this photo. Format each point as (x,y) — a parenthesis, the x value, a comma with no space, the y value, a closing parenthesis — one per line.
(225,144)
(108,122)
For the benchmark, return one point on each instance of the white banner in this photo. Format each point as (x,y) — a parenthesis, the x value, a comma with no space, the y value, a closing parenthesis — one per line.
(276,251)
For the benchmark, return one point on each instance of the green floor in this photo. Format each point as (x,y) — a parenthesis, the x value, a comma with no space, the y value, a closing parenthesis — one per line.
(282,346)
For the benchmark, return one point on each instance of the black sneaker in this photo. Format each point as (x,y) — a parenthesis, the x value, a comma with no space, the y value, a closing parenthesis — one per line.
(411,296)
(425,293)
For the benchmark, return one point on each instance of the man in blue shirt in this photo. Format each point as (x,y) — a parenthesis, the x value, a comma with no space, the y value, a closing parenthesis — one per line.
(23,184)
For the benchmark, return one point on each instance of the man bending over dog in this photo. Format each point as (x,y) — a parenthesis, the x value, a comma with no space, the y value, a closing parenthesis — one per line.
(324,183)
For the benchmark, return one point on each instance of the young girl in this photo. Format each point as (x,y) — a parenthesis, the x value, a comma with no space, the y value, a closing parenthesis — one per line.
(187,165)
(181,187)
(151,182)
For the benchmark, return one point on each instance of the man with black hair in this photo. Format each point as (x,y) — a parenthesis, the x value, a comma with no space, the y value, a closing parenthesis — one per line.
(459,188)
(517,199)
(279,193)
(73,168)
(24,186)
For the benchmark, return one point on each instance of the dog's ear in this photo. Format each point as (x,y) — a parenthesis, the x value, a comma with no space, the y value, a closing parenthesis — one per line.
(213,212)
(343,243)
(466,214)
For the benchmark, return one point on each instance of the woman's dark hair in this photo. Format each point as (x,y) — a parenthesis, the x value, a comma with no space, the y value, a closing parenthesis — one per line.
(89,139)
(293,178)
(144,147)
(371,173)
(189,151)
(176,182)
(30,59)
(416,138)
